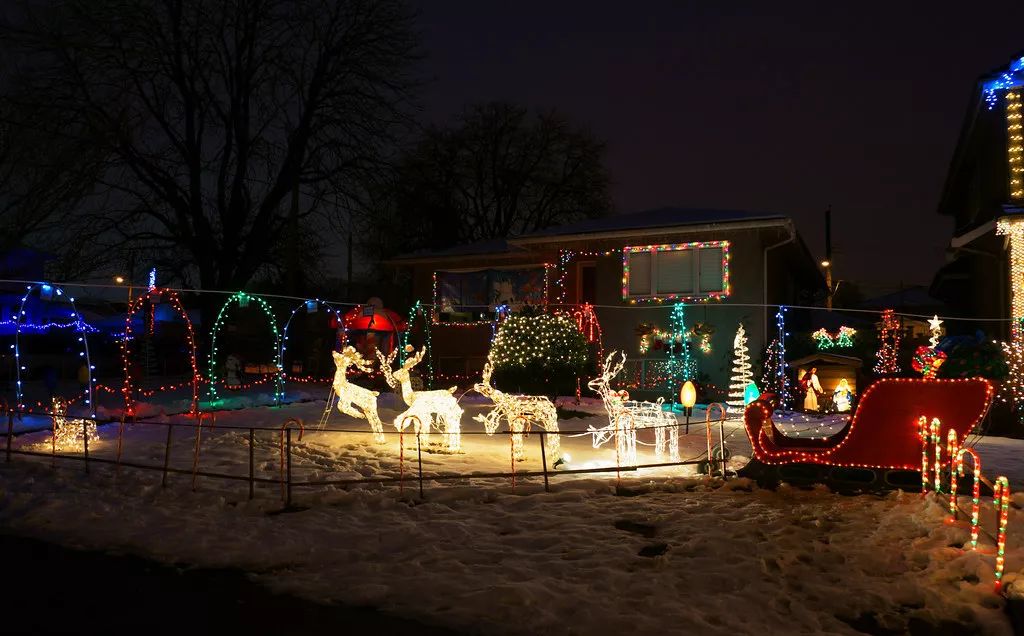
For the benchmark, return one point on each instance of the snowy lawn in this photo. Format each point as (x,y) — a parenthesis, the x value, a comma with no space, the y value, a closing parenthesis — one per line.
(681,554)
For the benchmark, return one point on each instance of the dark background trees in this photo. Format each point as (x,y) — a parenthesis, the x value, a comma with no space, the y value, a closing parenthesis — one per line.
(216,126)
(500,170)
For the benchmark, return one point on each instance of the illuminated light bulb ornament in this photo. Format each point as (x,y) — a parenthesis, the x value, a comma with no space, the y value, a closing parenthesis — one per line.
(742,375)
(354,400)
(520,412)
(750,394)
(927,361)
(69,433)
(888,344)
(242,300)
(437,408)
(626,416)
(48,293)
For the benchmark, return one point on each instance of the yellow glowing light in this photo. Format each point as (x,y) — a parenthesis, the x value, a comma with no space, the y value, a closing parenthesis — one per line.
(354,400)
(625,416)
(1015,144)
(688,395)
(520,411)
(826,263)
(437,407)
(119,279)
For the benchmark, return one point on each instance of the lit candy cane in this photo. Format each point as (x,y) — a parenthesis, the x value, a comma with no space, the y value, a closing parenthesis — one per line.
(975,493)
(952,451)
(937,441)
(922,422)
(1001,500)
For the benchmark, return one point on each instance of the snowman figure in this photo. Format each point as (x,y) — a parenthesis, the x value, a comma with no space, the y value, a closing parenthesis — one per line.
(232,370)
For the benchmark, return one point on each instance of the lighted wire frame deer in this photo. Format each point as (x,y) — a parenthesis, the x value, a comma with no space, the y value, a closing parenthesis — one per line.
(520,411)
(625,416)
(354,400)
(438,407)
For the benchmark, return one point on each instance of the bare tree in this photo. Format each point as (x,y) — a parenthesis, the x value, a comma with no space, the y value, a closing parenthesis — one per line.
(219,123)
(500,172)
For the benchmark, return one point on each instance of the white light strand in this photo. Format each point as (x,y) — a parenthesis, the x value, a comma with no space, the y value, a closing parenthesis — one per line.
(626,416)
(354,400)
(742,375)
(439,408)
(519,411)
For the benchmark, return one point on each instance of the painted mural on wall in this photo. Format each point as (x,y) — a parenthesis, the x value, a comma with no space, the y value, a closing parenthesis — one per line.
(469,292)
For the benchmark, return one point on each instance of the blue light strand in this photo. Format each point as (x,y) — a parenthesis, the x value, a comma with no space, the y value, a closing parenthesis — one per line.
(311,305)
(47,291)
(1013,77)
(780,370)
(78,325)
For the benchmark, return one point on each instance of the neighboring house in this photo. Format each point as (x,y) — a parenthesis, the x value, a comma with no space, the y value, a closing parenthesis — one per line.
(632,268)
(984,196)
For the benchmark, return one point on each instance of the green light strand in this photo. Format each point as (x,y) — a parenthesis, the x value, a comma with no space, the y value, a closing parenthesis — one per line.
(239,297)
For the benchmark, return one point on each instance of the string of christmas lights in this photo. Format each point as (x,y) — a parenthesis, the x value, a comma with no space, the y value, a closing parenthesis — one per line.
(242,300)
(128,388)
(691,297)
(742,375)
(414,311)
(888,344)
(47,292)
(311,305)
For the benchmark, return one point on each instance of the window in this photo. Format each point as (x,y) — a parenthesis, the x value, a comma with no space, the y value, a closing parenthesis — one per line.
(687,271)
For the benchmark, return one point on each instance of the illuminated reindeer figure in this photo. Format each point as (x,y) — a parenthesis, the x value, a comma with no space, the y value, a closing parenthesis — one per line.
(520,411)
(353,399)
(625,416)
(439,408)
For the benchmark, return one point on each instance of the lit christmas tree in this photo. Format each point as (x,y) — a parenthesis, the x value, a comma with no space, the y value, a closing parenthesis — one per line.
(888,344)
(741,371)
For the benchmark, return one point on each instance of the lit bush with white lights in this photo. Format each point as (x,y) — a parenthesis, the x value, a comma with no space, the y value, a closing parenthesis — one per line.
(538,355)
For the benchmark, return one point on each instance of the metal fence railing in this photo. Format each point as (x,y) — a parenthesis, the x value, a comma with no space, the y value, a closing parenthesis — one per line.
(282,439)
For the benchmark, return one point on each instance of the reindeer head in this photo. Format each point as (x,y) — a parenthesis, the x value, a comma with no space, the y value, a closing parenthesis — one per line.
(483,387)
(385,367)
(609,370)
(490,420)
(349,357)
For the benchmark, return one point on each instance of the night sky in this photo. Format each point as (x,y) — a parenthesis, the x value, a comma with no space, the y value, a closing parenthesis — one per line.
(748,106)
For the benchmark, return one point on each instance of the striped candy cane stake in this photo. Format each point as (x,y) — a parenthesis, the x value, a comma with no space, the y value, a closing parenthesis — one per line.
(1001,500)
(922,432)
(975,493)
(952,448)
(937,441)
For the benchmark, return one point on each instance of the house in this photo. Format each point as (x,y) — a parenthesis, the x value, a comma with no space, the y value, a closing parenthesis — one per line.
(984,196)
(725,265)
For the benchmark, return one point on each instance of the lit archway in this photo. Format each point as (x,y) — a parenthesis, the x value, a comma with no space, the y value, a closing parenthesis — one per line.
(242,300)
(128,389)
(310,305)
(49,292)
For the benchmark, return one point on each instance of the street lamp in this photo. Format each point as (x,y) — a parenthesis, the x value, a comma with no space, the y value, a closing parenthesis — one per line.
(119,280)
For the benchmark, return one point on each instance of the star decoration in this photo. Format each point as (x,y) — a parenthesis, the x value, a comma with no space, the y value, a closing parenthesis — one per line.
(935,324)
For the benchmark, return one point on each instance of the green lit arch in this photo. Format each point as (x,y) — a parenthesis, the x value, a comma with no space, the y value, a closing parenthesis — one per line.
(242,299)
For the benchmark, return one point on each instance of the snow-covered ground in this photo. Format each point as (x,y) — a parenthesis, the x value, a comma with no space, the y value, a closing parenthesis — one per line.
(681,553)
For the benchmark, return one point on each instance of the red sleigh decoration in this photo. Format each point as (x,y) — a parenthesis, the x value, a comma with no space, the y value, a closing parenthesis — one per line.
(883,432)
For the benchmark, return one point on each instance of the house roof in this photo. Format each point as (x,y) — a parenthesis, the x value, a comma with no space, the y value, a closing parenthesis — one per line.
(829,358)
(648,220)
(651,220)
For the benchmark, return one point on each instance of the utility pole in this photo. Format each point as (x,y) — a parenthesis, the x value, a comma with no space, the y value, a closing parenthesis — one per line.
(827,263)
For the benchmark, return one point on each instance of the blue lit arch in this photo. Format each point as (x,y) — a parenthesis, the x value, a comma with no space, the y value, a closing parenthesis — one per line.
(48,291)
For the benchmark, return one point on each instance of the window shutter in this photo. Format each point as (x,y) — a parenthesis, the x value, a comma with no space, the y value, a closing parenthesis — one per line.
(639,273)
(711,269)
(675,272)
